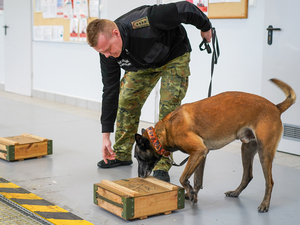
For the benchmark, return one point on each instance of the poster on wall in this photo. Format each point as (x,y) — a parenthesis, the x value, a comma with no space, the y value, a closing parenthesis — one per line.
(58,33)
(42,33)
(49,8)
(67,9)
(84,9)
(74,29)
(38,6)
(80,8)
(38,33)
(60,8)
(94,8)
(82,29)
(47,33)
(76,8)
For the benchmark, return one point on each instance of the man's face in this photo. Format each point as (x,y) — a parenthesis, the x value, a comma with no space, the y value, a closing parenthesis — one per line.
(110,46)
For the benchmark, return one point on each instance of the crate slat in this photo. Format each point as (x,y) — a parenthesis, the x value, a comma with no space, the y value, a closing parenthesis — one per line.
(6,141)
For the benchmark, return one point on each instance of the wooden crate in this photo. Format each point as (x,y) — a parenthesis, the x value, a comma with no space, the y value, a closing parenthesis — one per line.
(24,146)
(138,198)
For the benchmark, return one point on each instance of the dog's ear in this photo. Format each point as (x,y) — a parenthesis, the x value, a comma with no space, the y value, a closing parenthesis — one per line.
(143,130)
(138,138)
(141,142)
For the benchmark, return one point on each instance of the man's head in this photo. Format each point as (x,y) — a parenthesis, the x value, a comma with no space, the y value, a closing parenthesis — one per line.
(104,36)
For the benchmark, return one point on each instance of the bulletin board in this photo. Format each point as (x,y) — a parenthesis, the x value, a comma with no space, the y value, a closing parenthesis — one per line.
(228,10)
(38,20)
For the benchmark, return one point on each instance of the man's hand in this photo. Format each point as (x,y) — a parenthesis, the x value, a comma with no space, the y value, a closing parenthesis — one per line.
(206,35)
(107,152)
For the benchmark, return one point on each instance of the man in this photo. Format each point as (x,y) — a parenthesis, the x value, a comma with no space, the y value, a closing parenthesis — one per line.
(149,43)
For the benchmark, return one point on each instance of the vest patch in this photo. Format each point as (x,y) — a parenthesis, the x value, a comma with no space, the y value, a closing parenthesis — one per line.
(140,23)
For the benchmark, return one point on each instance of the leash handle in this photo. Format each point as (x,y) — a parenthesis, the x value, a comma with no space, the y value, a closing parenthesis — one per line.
(206,46)
(215,55)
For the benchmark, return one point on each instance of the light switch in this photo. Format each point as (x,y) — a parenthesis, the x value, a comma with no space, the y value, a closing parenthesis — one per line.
(252,3)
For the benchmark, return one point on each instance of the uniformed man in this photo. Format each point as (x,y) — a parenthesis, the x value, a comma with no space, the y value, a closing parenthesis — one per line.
(149,43)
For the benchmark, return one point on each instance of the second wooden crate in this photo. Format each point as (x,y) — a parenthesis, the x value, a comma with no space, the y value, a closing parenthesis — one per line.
(24,146)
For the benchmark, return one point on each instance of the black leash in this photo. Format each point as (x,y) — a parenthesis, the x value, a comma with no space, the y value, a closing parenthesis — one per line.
(182,163)
(215,54)
(204,45)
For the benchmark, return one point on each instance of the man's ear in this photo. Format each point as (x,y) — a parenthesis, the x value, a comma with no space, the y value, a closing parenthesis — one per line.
(115,32)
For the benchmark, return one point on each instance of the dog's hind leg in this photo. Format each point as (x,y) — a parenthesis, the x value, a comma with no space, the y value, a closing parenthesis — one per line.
(248,152)
(266,158)
(198,176)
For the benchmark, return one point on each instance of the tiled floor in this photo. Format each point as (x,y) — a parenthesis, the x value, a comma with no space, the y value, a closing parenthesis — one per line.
(66,178)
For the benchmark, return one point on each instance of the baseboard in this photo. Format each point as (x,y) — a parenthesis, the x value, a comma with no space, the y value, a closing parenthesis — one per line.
(83,103)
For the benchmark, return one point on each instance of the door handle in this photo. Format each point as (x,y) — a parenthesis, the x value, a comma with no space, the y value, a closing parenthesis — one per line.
(270,30)
(5,28)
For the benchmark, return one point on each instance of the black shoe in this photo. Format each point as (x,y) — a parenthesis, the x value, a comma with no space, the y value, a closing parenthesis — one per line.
(162,175)
(113,163)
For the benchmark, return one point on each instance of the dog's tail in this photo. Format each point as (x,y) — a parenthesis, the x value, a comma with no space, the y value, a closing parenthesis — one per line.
(289,93)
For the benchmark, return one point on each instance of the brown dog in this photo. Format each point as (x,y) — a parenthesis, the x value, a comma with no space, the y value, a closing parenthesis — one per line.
(212,123)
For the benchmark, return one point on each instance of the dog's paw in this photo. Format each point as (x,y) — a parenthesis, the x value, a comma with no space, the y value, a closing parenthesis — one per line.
(192,197)
(186,196)
(263,208)
(232,194)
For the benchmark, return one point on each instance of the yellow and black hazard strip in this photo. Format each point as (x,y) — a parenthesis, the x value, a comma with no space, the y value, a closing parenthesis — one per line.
(39,206)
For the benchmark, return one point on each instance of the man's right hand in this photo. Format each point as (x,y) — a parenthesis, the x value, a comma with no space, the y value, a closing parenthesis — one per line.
(107,151)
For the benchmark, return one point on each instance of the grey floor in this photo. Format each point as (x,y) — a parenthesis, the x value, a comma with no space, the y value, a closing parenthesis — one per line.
(66,178)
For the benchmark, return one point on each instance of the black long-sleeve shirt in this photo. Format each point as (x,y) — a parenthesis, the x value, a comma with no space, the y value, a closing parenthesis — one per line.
(151,36)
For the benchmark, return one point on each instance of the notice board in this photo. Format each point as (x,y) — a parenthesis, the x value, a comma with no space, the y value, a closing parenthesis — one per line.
(228,10)
(39,20)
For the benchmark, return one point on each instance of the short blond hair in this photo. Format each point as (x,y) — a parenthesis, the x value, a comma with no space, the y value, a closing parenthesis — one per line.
(97,27)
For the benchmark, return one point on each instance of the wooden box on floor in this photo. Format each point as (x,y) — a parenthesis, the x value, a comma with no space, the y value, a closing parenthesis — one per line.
(138,198)
(24,146)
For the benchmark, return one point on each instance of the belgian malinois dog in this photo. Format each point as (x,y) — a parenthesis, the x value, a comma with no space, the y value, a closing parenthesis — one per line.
(210,124)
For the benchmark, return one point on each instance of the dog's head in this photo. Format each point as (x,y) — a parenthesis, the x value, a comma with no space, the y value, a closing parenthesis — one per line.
(145,154)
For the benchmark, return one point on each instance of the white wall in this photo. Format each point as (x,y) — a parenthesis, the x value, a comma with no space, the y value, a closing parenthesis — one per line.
(73,69)
(67,69)
(240,64)
(1,50)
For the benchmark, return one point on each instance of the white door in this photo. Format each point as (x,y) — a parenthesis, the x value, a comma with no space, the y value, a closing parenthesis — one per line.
(17,46)
(281,60)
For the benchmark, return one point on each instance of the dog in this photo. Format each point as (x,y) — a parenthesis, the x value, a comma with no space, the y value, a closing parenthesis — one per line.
(210,124)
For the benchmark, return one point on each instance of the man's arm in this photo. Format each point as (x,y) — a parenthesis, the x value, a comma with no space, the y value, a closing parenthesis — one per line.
(169,16)
(111,73)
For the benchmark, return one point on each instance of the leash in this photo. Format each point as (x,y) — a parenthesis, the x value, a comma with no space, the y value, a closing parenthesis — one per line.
(182,163)
(204,45)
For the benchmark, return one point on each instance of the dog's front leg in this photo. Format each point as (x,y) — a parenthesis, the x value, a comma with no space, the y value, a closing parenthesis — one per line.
(195,159)
(198,176)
